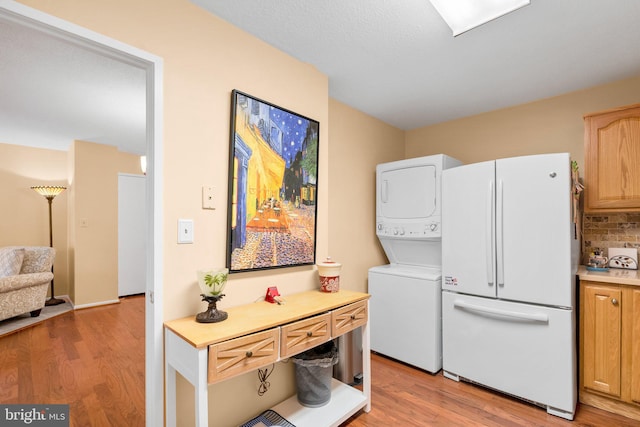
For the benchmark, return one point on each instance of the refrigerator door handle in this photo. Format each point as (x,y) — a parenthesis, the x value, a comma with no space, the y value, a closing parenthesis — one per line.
(500,233)
(534,317)
(490,233)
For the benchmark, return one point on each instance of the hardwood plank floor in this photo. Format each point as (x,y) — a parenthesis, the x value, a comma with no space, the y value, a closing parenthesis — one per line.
(93,359)
(408,397)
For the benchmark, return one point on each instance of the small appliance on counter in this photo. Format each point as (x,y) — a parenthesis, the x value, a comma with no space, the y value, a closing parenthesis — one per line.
(626,258)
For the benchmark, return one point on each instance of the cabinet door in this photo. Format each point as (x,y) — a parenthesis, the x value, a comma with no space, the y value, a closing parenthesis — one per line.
(602,338)
(612,151)
(635,346)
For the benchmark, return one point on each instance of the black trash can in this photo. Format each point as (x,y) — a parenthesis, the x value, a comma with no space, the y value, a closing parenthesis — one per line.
(314,369)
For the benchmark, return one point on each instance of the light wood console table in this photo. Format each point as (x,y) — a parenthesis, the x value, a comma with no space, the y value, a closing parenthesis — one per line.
(259,334)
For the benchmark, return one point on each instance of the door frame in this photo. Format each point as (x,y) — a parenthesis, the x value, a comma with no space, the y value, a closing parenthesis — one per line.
(153,67)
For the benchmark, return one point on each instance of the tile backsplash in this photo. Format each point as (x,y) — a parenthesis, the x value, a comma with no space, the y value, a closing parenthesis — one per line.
(604,231)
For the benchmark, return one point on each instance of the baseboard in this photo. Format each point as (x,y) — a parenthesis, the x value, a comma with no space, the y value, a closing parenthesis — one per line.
(628,410)
(95,304)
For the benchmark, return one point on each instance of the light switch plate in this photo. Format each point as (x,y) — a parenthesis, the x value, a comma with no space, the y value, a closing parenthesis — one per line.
(185,231)
(207,198)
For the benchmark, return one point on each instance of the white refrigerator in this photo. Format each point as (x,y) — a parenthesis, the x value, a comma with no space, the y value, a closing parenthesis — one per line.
(509,262)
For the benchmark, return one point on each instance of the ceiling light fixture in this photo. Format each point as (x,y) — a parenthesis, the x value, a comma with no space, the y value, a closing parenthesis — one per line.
(464,15)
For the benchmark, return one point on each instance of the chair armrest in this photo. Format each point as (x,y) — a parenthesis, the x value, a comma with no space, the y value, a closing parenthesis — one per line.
(19,281)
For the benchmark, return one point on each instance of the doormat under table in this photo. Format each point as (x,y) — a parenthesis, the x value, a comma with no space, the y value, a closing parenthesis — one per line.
(267,419)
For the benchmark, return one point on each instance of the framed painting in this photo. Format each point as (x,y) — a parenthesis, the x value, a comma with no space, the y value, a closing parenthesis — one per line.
(273,175)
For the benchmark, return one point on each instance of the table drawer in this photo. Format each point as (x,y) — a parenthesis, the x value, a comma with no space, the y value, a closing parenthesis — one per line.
(299,336)
(234,357)
(349,317)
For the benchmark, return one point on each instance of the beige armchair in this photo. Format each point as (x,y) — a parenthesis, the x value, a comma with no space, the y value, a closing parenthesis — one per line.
(25,274)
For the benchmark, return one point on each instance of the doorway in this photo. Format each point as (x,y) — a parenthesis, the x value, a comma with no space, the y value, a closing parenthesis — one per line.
(152,65)
(132,242)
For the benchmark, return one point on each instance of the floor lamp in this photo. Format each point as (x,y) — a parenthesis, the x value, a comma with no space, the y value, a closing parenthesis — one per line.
(49,192)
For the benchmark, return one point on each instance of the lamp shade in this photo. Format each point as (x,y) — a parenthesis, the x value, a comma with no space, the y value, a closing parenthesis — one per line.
(48,191)
(463,15)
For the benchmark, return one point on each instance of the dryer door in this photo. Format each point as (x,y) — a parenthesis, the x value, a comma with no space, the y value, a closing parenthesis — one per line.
(407,193)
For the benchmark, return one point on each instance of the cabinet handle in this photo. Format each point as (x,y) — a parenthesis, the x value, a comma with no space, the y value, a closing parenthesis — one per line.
(249,353)
(614,301)
(309,334)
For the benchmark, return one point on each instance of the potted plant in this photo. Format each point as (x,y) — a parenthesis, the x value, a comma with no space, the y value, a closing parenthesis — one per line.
(212,283)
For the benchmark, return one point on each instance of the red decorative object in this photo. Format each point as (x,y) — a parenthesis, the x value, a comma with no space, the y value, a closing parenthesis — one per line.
(272,294)
(330,284)
(329,273)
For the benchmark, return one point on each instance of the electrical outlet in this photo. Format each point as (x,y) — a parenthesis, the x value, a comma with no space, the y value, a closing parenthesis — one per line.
(185,231)
(207,198)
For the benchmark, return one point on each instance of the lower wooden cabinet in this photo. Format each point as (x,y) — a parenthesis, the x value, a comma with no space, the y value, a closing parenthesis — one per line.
(610,347)
(602,331)
(635,346)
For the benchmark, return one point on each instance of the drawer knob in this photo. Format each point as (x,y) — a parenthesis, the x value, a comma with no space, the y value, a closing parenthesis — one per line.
(309,334)
(353,317)
(614,301)
(249,353)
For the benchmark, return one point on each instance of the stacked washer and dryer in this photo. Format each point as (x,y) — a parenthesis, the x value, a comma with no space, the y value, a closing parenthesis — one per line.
(406,304)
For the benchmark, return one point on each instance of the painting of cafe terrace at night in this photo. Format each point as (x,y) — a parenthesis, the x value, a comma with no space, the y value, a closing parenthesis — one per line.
(272,188)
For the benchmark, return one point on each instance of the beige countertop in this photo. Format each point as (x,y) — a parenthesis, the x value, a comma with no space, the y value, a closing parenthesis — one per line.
(614,275)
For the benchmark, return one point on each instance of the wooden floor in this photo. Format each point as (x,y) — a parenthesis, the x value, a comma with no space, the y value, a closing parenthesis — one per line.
(408,397)
(93,360)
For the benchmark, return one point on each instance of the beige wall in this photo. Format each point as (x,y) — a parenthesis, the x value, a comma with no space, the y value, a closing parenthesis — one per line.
(358,144)
(204,59)
(25,221)
(546,126)
(93,224)
(24,217)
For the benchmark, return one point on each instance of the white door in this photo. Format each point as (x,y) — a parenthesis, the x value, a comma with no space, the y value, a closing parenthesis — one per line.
(468,217)
(131,234)
(534,229)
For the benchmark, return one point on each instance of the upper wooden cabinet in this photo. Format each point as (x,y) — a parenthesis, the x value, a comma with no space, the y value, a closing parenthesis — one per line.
(612,156)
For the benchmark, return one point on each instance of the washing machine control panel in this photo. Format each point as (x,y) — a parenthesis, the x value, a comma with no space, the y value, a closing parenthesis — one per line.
(417,230)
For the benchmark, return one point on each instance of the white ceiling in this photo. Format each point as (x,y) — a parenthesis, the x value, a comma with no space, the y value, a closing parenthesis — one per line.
(396,61)
(53,91)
